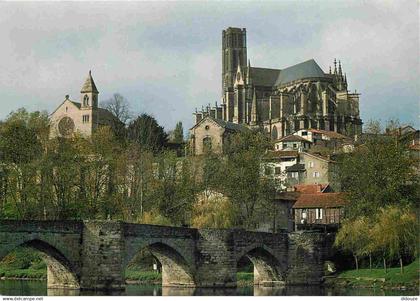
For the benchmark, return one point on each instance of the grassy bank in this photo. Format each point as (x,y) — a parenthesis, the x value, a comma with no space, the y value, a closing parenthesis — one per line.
(378,278)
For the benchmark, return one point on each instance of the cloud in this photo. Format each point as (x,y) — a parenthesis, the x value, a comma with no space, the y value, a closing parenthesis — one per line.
(165,56)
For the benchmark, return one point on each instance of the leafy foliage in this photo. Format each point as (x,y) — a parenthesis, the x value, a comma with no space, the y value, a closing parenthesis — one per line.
(147,133)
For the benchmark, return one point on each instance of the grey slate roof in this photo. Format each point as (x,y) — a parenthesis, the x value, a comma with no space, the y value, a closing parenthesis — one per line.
(302,70)
(89,85)
(77,104)
(229,125)
(295,168)
(264,76)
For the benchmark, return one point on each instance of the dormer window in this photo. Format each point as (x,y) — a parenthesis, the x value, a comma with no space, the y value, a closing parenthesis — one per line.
(86,101)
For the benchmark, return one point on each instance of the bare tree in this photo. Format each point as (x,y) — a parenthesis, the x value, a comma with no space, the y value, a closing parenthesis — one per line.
(118,106)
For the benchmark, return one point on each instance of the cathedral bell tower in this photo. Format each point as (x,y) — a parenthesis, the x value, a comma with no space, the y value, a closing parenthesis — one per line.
(234,54)
(89,94)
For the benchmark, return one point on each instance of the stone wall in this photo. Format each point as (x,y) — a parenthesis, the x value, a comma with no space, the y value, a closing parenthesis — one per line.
(306,258)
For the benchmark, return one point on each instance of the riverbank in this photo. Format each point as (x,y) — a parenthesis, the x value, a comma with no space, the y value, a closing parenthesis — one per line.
(131,276)
(377,278)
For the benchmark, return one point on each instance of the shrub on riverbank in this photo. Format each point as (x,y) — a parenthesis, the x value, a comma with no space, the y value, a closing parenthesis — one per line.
(143,276)
(378,278)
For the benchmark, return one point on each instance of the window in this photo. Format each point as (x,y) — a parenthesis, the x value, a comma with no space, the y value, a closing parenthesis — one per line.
(294,145)
(277,146)
(207,127)
(316,174)
(86,100)
(277,170)
(318,213)
(85,118)
(284,145)
(305,133)
(207,144)
(267,170)
(294,174)
(67,109)
(311,164)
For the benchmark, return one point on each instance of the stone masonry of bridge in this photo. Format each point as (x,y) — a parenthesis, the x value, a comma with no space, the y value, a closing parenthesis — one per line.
(93,255)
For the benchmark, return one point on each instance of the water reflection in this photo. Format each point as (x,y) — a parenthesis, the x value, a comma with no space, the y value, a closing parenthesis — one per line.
(38,288)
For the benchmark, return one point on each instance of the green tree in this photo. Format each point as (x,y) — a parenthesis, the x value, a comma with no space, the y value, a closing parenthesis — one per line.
(147,133)
(378,173)
(21,146)
(395,233)
(354,237)
(244,182)
(213,210)
(178,133)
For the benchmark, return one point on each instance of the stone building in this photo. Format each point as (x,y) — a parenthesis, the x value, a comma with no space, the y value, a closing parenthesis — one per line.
(81,117)
(212,134)
(282,101)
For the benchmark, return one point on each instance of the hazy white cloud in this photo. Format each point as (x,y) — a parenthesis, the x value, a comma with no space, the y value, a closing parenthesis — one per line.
(165,56)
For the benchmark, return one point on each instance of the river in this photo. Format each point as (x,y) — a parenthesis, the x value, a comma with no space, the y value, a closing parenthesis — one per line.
(39,288)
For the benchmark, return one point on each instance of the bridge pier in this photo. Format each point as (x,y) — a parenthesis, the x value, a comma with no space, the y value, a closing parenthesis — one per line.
(102,256)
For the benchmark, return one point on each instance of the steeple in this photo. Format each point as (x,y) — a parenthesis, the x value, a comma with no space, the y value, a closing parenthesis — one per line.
(89,93)
(340,72)
(89,85)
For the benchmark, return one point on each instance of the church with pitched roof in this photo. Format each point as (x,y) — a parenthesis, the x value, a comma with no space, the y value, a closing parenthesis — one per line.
(282,101)
(82,117)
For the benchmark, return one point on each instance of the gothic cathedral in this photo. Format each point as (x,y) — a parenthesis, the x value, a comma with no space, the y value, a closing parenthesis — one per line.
(282,101)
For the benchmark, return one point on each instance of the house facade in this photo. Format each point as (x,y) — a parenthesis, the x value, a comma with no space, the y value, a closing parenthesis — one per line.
(212,134)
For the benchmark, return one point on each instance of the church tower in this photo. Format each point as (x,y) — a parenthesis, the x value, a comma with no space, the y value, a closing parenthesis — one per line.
(234,54)
(89,93)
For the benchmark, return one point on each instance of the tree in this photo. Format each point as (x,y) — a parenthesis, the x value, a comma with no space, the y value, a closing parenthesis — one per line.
(244,182)
(213,210)
(147,133)
(118,106)
(395,233)
(178,133)
(378,173)
(21,146)
(354,237)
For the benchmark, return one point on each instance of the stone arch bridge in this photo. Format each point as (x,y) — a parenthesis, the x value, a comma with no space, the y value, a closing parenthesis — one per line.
(92,255)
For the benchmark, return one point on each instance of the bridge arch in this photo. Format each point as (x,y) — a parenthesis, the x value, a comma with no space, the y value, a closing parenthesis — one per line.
(176,269)
(267,267)
(60,271)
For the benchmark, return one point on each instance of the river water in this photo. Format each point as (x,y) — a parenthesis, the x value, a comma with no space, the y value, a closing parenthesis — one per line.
(39,288)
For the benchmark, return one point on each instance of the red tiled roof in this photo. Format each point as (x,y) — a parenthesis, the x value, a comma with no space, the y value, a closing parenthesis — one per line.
(310,188)
(320,200)
(415,147)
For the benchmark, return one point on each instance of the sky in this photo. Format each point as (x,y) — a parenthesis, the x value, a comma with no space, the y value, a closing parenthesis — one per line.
(165,57)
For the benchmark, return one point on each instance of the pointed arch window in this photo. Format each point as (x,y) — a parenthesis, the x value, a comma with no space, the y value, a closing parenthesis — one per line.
(86,101)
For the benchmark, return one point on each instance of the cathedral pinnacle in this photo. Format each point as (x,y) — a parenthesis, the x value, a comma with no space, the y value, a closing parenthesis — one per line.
(339,68)
(335,66)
